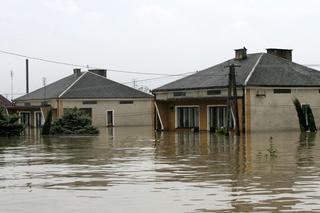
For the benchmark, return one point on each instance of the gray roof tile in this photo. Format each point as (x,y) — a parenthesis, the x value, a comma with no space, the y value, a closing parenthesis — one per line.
(93,86)
(270,70)
(87,86)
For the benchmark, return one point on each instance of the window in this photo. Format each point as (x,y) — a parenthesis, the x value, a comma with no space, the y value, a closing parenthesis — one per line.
(109,118)
(25,118)
(217,117)
(214,92)
(89,102)
(281,91)
(27,104)
(179,93)
(187,117)
(37,119)
(87,111)
(125,102)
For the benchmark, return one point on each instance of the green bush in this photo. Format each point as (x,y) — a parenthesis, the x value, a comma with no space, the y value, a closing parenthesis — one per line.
(73,122)
(9,125)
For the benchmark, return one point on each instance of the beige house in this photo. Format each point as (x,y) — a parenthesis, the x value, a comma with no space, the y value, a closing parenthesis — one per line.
(265,82)
(108,103)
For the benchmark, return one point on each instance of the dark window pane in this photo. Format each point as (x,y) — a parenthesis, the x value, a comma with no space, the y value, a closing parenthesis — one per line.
(214,92)
(126,102)
(281,91)
(179,93)
(89,102)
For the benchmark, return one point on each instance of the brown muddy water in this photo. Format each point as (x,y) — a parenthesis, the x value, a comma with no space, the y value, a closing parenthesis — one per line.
(138,170)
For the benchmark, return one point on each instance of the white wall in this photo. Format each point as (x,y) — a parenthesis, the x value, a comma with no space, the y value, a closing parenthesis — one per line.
(276,112)
(140,113)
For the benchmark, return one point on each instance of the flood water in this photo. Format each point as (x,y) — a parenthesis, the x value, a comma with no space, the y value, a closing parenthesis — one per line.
(139,170)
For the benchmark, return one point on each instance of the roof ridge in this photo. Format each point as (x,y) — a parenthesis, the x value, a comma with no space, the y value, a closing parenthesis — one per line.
(71,85)
(116,82)
(253,69)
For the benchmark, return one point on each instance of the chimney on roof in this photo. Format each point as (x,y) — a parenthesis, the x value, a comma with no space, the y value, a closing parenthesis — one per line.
(283,53)
(77,72)
(241,53)
(101,72)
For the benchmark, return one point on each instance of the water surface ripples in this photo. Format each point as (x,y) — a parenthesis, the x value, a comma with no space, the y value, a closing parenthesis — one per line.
(139,170)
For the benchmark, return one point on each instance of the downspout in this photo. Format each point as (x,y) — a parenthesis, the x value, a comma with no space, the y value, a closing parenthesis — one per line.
(243,109)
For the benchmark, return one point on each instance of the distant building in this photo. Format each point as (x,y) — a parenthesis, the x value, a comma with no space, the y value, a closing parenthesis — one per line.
(107,102)
(266,83)
(4,102)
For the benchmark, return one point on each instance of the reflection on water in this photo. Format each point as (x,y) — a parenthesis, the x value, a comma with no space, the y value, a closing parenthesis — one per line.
(139,170)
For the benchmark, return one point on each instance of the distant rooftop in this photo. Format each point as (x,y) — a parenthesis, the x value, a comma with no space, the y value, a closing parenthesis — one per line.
(84,85)
(5,102)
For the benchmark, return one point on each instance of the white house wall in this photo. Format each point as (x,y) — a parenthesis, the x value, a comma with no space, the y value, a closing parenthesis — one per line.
(276,112)
(52,102)
(140,113)
(196,93)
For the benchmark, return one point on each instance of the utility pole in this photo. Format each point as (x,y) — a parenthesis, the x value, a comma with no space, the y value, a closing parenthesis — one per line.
(11,76)
(134,83)
(232,100)
(27,75)
(44,89)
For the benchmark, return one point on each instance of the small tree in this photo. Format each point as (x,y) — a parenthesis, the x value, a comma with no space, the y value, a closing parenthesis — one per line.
(73,122)
(9,125)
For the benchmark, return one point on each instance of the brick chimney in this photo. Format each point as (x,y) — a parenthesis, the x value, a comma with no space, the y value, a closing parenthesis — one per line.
(77,72)
(240,54)
(283,53)
(101,72)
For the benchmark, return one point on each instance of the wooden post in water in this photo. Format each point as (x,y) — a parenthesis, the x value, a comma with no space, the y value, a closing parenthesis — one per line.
(233,98)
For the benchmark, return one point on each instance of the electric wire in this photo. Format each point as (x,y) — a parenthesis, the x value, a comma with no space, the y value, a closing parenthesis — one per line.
(81,66)
(162,75)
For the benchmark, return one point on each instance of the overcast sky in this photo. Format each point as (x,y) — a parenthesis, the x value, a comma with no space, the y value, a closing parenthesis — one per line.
(167,36)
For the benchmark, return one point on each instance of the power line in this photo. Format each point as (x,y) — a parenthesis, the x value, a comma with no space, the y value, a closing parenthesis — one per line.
(79,65)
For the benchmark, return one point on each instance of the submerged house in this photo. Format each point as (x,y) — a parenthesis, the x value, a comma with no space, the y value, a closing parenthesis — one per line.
(4,102)
(265,82)
(107,102)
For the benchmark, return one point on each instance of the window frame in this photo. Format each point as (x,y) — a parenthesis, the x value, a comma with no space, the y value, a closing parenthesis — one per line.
(186,106)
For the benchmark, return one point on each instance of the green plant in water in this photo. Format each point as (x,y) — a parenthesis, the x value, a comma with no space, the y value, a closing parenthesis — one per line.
(272,150)
(9,125)
(302,120)
(75,122)
(222,131)
(305,115)
(311,126)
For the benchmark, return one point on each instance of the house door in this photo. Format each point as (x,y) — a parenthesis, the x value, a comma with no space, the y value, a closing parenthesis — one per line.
(109,118)
(217,117)
(25,118)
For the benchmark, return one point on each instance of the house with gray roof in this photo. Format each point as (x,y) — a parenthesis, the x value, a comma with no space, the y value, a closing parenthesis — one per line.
(265,85)
(107,102)
(4,102)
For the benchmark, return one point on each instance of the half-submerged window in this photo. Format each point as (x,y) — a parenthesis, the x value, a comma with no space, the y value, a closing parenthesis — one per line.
(179,94)
(214,92)
(281,91)
(217,117)
(89,102)
(187,117)
(125,102)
